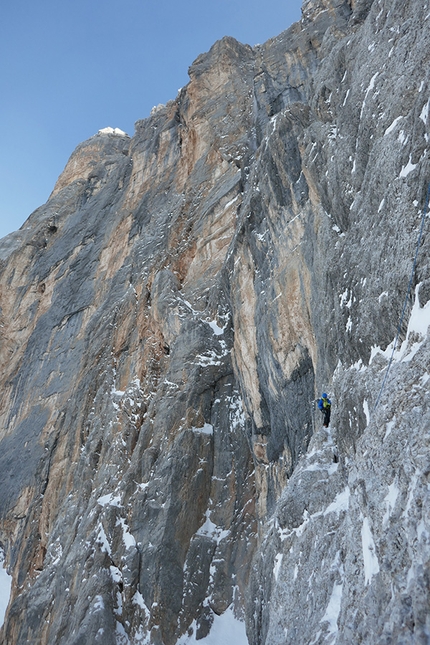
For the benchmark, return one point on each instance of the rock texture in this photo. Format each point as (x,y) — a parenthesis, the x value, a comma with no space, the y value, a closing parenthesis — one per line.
(168,318)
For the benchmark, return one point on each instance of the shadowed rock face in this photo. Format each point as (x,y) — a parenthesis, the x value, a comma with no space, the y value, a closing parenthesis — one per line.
(167,320)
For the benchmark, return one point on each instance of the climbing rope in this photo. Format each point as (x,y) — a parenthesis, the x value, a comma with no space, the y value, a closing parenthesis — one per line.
(414,265)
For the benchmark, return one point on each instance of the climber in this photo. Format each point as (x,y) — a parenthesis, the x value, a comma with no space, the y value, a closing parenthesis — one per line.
(324,405)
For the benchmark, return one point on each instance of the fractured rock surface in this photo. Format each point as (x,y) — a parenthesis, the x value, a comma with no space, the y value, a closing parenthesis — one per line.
(168,318)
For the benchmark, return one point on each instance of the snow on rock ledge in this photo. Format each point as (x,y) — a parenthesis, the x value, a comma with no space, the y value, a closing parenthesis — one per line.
(110,130)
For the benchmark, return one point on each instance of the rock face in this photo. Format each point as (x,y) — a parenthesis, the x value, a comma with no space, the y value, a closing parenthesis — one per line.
(167,321)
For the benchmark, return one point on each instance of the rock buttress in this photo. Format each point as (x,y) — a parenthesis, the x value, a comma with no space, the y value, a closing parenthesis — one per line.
(168,318)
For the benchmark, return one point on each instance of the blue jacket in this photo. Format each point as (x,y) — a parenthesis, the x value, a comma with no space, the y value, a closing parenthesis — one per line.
(324,403)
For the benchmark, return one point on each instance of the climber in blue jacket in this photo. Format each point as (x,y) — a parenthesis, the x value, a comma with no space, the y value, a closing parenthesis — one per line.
(324,405)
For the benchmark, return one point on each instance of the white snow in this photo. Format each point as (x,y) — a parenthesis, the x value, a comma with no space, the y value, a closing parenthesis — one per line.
(211,358)
(369,89)
(425,113)
(206,429)
(209,529)
(218,331)
(343,297)
(115,573)
(127,537)
(366,411)
(110,500)
(98,604)
(121,637)
(103,541)
(317,467)
(346,98)
(340,503)
(5,588)
(393,125)
(157,108)
(277,565)
(419,322)
(412,486)
(406,170)
(402,137)
(370,559)
(237,196)
(389,427)
(420,316)
(390,501)
(113,131)
(226,629)
(333,609)
(425,377)
(139,601)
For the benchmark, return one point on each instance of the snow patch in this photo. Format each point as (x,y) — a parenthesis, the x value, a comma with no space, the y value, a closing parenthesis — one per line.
(139,601)
(343,298)
(211,358)
(340,503)
(370,559)
(277,565)
(424,379)
(420,316)
(317,467)
(98,604)
(406,170)
(419,322)
(369,89)
(110,500)
(393,125)
(127,537)
(333,610)
(206,429)
(346,98)
(425,113)
(218,331)
(103,541)
(225,629)
(115,574)
(390,501)
(211,530)
(121,635)
(366,411)
(390,425)
(116,131)
(5,588)
(411,493)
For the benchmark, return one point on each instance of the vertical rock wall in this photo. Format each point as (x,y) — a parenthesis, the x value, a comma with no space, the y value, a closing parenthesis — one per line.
(169,316)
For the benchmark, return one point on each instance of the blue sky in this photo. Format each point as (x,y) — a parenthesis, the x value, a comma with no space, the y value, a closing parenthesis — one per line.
(71,67)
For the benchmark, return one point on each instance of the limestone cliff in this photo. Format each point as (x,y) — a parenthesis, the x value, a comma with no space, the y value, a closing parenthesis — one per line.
(168,318)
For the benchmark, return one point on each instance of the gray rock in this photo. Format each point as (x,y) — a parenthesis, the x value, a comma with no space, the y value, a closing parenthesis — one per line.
(168,319)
